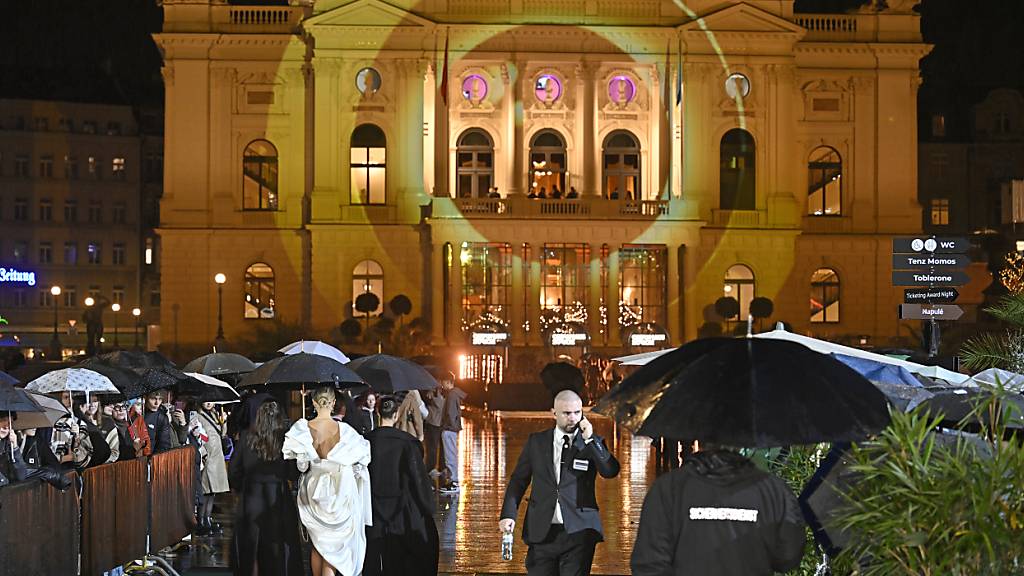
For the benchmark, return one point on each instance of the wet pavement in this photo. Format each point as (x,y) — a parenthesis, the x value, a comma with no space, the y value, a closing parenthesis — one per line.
(467,521)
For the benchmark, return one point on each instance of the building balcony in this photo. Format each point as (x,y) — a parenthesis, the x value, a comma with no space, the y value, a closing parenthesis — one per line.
(860,27)
(556,209)
(256,19)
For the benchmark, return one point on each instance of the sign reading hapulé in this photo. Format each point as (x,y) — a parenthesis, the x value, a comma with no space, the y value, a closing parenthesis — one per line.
(930,312)
(918,245)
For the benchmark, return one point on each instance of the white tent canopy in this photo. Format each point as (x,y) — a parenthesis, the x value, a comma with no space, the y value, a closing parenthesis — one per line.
(934,372)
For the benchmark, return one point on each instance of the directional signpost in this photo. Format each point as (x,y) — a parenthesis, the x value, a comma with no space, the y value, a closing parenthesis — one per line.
(933,266)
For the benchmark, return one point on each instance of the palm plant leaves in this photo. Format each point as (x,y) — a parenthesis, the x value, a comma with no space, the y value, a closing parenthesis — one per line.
(995,350)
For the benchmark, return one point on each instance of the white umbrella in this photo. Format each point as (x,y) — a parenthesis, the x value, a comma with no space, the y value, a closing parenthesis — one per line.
(642,358)
(73,380)
(53,410)
(315,347)
(994,376)
(211,381)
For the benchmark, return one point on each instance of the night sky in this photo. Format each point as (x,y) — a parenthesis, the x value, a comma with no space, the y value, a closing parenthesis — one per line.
(101,50)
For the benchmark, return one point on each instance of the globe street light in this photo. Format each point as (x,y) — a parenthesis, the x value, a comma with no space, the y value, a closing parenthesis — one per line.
(137,312)
(220,279)
(92,339)
(116,308)
(55,348)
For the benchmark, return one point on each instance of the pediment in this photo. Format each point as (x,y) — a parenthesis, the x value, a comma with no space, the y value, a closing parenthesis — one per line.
(743,18)
(368,13)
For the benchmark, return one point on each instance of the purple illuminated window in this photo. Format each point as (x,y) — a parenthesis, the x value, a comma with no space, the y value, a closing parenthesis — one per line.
(621,89)
(548,88)
(474,88)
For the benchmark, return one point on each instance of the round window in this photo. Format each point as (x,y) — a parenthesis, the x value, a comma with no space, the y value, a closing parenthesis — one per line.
(474,88)
(367,81)
(621,89)
(548,88)
(737,86)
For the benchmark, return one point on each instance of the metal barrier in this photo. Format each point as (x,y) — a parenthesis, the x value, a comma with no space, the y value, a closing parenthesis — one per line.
(173,493)
(38,530)
(115,513)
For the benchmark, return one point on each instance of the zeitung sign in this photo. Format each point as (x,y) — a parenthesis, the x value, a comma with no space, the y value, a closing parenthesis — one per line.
(15,276)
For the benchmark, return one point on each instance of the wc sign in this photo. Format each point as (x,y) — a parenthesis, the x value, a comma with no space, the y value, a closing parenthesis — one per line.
(14,276)
(930,245)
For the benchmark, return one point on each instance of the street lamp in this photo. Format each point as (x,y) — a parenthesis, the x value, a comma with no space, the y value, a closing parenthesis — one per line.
(116,308)
(137,313)
(220,279)
(55,348)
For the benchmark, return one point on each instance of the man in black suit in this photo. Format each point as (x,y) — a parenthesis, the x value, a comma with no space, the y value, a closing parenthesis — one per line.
(562,524)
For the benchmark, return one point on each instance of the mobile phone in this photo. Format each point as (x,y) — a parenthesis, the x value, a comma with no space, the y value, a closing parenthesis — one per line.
(179,405)
(191,415)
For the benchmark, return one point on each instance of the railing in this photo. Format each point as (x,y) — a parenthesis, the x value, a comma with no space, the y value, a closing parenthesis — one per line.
(736,218)
(644,208)
(256,19)
(563,207)
(482,205)
(549,208)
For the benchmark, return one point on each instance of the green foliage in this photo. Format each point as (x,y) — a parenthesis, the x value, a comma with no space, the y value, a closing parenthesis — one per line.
(999,350)
(925,507)
(796,467)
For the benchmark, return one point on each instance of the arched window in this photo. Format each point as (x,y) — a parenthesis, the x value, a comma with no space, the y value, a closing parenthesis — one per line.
(547,163)
(475,168)
(825,182)
(736,187)
(368,165)
(621,166)
(739,284)
(259,176)
(259,291)
(368,276)
(824,296)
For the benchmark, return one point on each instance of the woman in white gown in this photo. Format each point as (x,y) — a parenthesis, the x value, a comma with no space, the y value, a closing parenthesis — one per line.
(334,491)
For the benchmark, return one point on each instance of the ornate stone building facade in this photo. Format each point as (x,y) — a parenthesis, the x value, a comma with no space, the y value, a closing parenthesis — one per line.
(542,178)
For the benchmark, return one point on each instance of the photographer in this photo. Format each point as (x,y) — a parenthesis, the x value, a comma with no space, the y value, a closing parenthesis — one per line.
(12,467)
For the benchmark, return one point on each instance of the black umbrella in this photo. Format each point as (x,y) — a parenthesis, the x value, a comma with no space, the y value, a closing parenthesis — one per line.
(16,400)
(221,364)
(6,378)
(388,374)
(748,392)
(956,404)
(137,373)
(558,376)
(297,371)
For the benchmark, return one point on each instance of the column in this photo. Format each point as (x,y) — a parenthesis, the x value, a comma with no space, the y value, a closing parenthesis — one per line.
(584,159)
(441,123)
(517,175)
(658,118)
(429,128)
(594,296)
(515,306)
(700,153)
(455,335)
(782,205)
(437,311)
(327,197)
(592,169)
(674,327)
(533,302)
(612,297)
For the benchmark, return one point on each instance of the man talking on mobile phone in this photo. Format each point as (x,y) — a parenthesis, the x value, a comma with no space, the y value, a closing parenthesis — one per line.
(562,525)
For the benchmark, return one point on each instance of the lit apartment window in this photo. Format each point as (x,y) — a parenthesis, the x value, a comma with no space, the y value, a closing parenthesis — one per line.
(20,209)
(46,166)
(117,168)
(45,253)
(940,211)
(71,253)
(45,298)
(94,167)
(95,212)
(120,209)
(71,168)
(70,296)
(94,292)
(938,125)
(21,166)
(46,210)
(94,249)
(71,211)
(117,294)
(118,254)
(149,251)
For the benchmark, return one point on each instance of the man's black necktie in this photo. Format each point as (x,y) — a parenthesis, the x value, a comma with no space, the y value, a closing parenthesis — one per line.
(565,447)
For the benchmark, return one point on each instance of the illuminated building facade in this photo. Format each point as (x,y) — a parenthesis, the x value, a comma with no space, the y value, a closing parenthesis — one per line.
(541,177)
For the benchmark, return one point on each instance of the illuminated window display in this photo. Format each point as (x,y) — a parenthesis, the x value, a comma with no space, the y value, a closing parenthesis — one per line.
(643,282)
(486,285)
(564,284)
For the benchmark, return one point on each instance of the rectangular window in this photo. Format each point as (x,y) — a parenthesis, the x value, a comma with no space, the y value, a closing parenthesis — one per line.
(154,167)
(45,298)
(643,281)
(46,210)
(45,253)
(71,167)
(20,300)
(154,297)
(46,166)
(94,292)
(564,285)
(94,250)
(149,251)
(94,167)
(20,252)
(940,211)
(21,166)
(71,253)
(89,127)
(117,295)
(95,212)
(113,128)
(119,212)
(20,209)
(70,296)
(368,175)
(71,211)
(42,124)
(938,125)
(117,168)
(118,255)
(486,286)
(66,124)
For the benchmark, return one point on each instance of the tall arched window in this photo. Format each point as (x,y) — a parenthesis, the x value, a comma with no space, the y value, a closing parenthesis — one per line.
(825,182)
(739,284)
(259,176)
(475,164)
(547,163)
(368,276)
(259,291)
(368,163)
(824,296)
(621,166)
(736,187)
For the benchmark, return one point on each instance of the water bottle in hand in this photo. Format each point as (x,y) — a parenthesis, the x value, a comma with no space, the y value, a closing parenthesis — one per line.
(506,546)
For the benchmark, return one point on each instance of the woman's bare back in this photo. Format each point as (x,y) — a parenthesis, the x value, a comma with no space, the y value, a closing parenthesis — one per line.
(326,434)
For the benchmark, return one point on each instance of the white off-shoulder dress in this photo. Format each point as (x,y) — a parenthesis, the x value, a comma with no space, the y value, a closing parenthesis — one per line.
(334,494)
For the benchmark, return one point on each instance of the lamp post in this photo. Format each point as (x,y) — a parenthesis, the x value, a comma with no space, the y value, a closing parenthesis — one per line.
(116,308)
(137,312)
(91,338)
(55,348)
(220,279)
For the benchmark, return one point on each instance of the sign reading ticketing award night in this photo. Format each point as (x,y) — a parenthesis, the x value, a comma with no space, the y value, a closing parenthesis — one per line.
(15,276)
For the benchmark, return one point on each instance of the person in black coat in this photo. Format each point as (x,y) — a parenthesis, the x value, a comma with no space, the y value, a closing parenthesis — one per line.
(403,538)
(160,431)
(562,525)
(718,514)
(266,539)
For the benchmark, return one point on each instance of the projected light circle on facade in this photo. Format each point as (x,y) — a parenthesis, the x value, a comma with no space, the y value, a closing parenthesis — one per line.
(547,88)
(621,89)
(474,88)
(368,81)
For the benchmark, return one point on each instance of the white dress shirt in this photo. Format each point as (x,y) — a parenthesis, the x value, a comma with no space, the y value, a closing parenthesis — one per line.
(558,435)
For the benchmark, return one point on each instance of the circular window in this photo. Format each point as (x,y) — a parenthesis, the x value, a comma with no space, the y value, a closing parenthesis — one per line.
(548,88)
(474,88)
(621,89)
(737,85)
(368,81)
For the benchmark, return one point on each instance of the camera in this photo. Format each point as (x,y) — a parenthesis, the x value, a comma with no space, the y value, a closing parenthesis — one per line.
(62,425)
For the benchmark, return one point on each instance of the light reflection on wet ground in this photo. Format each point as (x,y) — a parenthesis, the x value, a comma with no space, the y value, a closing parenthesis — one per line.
(490,444)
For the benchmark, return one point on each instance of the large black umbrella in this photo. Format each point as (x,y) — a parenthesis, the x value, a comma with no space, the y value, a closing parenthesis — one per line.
(6,378)
(137,373)
(748,392)
(16,400)
(221,364)
(389,374)
(957,404)
(297,371)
